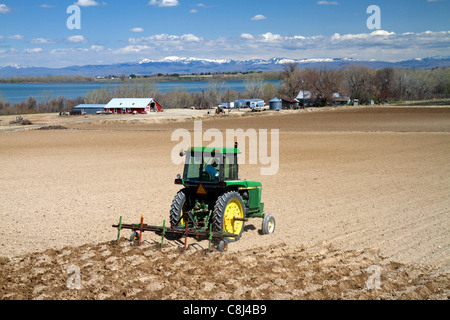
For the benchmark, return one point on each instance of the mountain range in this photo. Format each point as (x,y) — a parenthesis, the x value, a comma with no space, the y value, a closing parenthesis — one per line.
(179,65)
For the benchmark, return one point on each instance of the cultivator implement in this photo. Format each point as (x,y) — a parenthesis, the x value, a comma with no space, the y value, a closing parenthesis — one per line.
(179,232)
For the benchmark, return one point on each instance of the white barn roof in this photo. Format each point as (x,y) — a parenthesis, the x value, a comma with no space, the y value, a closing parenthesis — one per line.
(129,102)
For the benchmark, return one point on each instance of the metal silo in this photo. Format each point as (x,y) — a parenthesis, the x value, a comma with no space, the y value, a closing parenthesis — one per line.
(275,104)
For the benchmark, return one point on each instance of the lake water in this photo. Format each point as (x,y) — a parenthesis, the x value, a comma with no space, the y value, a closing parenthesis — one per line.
(16,92)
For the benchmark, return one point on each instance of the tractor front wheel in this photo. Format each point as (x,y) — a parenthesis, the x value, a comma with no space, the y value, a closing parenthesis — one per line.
(229,214)
(268,224)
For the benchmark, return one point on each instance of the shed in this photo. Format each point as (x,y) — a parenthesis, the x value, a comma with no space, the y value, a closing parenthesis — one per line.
(240,104)
(88,109)
(288,103)
(255,103)
(132,105)
(228,104)
(249,103)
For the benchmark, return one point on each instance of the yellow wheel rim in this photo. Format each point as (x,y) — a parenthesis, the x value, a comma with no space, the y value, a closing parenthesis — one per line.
(181,224)
(233,210)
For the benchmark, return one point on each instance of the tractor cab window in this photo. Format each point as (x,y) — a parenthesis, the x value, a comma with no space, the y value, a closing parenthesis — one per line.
(230,167)
(202,168)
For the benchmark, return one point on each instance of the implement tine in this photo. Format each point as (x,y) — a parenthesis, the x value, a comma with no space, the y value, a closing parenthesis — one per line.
(119,227)
(163,233)
(140,229)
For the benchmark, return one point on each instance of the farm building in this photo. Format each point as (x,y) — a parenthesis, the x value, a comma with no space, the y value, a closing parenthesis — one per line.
(228,104)
(304,97)
(340,99)
(133,105)
(88,109)
(289,103)
(249,103)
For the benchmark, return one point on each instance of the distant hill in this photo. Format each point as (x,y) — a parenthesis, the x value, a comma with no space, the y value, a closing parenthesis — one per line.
(178,65)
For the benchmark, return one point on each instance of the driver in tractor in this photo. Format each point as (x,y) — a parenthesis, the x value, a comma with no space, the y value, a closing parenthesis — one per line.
(212,171)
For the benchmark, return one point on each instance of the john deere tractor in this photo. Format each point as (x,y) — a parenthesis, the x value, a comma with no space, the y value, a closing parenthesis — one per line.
(214,198)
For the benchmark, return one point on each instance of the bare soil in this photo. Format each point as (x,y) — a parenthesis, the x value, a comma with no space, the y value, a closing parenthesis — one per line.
(358,189)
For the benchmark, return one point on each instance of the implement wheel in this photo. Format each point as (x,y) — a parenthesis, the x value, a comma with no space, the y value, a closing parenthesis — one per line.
(228,207)
(223,246)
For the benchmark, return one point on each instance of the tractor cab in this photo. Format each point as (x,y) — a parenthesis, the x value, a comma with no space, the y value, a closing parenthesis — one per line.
(210,165)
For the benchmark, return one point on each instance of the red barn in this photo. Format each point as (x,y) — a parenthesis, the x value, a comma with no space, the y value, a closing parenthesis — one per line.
(132,105)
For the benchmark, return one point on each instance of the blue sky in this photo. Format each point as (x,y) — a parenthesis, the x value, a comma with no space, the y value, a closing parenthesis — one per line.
(35,32)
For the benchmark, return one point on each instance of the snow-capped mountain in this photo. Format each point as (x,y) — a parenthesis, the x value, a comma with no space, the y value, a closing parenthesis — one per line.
(189,65)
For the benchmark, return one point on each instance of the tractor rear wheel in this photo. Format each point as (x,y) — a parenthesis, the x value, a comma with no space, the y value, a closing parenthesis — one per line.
(228,207)
(176,212)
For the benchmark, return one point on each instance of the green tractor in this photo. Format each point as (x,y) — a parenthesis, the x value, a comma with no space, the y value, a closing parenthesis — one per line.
(214,198)
(214,203)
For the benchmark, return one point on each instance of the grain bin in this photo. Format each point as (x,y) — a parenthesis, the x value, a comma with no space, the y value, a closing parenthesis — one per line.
(275,104)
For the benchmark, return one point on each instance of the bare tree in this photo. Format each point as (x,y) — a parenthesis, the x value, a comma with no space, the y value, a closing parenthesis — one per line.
(270,91)
(359,82)
(254,88)
(292,80)
(442,78)
(384,82)
(323,84)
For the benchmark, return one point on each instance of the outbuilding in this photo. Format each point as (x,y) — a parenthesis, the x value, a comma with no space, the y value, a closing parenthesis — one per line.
(304,98)
(249,103)
(288,103)
(228,104)
(275,104)
(88,109)
(132,105)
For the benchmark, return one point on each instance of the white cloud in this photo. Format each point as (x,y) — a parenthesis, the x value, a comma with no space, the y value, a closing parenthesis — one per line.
(138,29)
(4,8)
(34,50)
(164,3)
(258,17)
(270,37)
(42,41)
(327,3)
(165,38)
(193,11)
(96,48)
(76,39)
(190,38)
(86,3)
(247,36)
(132,49)
(68,51)
(16,37)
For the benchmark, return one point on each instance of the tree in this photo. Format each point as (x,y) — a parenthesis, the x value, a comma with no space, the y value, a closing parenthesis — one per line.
(323,84)
(291,80)
(383,81)
(254,88)
(359,83)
